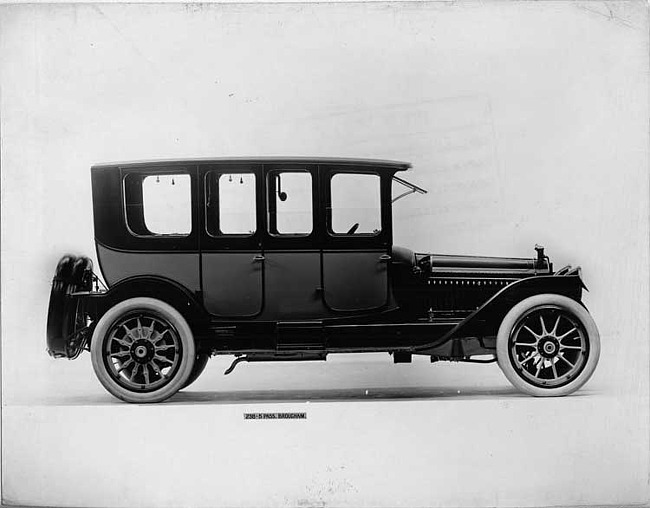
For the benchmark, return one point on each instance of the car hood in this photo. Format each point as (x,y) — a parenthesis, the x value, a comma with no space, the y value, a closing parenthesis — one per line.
(442,264)
(480,266)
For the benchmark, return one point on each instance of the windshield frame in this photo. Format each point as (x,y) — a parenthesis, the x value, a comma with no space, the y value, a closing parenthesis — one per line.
(412,189)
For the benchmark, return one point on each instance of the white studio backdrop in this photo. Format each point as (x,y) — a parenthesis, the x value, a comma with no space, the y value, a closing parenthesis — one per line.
(527,123)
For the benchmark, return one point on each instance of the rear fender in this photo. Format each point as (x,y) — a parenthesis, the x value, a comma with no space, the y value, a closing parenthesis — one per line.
(166,290)
(485,321)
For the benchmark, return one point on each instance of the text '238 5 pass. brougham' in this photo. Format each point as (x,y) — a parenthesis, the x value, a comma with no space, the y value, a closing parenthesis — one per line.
(292,259)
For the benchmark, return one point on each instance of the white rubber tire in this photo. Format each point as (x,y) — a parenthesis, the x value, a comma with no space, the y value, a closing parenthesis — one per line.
(200,363)
(511,319)
(185,335)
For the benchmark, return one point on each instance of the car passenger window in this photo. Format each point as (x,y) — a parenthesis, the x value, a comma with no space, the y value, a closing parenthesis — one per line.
(356,204)
(290,210)
(231,204)
(158,204)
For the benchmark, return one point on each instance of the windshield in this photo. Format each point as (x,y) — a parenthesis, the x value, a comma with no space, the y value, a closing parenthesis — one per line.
(410,188)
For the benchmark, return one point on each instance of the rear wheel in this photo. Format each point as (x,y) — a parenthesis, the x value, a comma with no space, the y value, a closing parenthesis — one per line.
(142,350)
(200,362)
(548,345)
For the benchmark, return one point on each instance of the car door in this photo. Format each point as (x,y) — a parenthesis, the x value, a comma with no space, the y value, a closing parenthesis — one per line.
(292,265)
(231,253)
(356,253)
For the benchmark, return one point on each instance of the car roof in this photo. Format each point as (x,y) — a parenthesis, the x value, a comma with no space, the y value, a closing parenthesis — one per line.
(376,163)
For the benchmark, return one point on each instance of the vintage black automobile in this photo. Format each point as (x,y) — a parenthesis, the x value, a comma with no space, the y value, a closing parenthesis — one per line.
(292,259)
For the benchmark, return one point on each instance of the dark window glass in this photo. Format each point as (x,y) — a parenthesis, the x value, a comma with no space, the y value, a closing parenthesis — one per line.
(356,204)
(290,210)
(231,204)
(158,204)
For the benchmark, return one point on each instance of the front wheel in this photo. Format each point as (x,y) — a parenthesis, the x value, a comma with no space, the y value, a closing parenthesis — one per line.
(142,350)
(548,345)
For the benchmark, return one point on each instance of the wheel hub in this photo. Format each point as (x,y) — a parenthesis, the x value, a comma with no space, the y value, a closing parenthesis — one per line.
(142,351)
(548,347)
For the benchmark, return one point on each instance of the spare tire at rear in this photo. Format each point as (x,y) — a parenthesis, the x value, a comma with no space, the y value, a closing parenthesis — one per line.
(72,274)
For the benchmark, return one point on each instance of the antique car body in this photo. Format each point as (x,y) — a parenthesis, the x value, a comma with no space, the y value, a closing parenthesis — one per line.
(279,275)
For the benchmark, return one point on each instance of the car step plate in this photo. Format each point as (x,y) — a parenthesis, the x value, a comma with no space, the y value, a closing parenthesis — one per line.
(300,336)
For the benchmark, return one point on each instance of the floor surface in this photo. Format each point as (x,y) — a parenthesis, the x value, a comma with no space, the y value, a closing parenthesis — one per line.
(375,434)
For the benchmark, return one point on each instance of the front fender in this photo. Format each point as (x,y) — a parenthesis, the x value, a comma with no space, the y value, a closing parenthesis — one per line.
(485,321)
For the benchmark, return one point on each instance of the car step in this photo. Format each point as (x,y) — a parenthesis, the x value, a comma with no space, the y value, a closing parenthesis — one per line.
(300,336)
(402,357)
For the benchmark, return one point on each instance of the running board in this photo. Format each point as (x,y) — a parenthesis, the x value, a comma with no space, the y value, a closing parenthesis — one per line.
(317,337)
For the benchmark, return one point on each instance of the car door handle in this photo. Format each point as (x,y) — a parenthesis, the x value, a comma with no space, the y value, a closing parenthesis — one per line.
(258,258)
(384,258)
